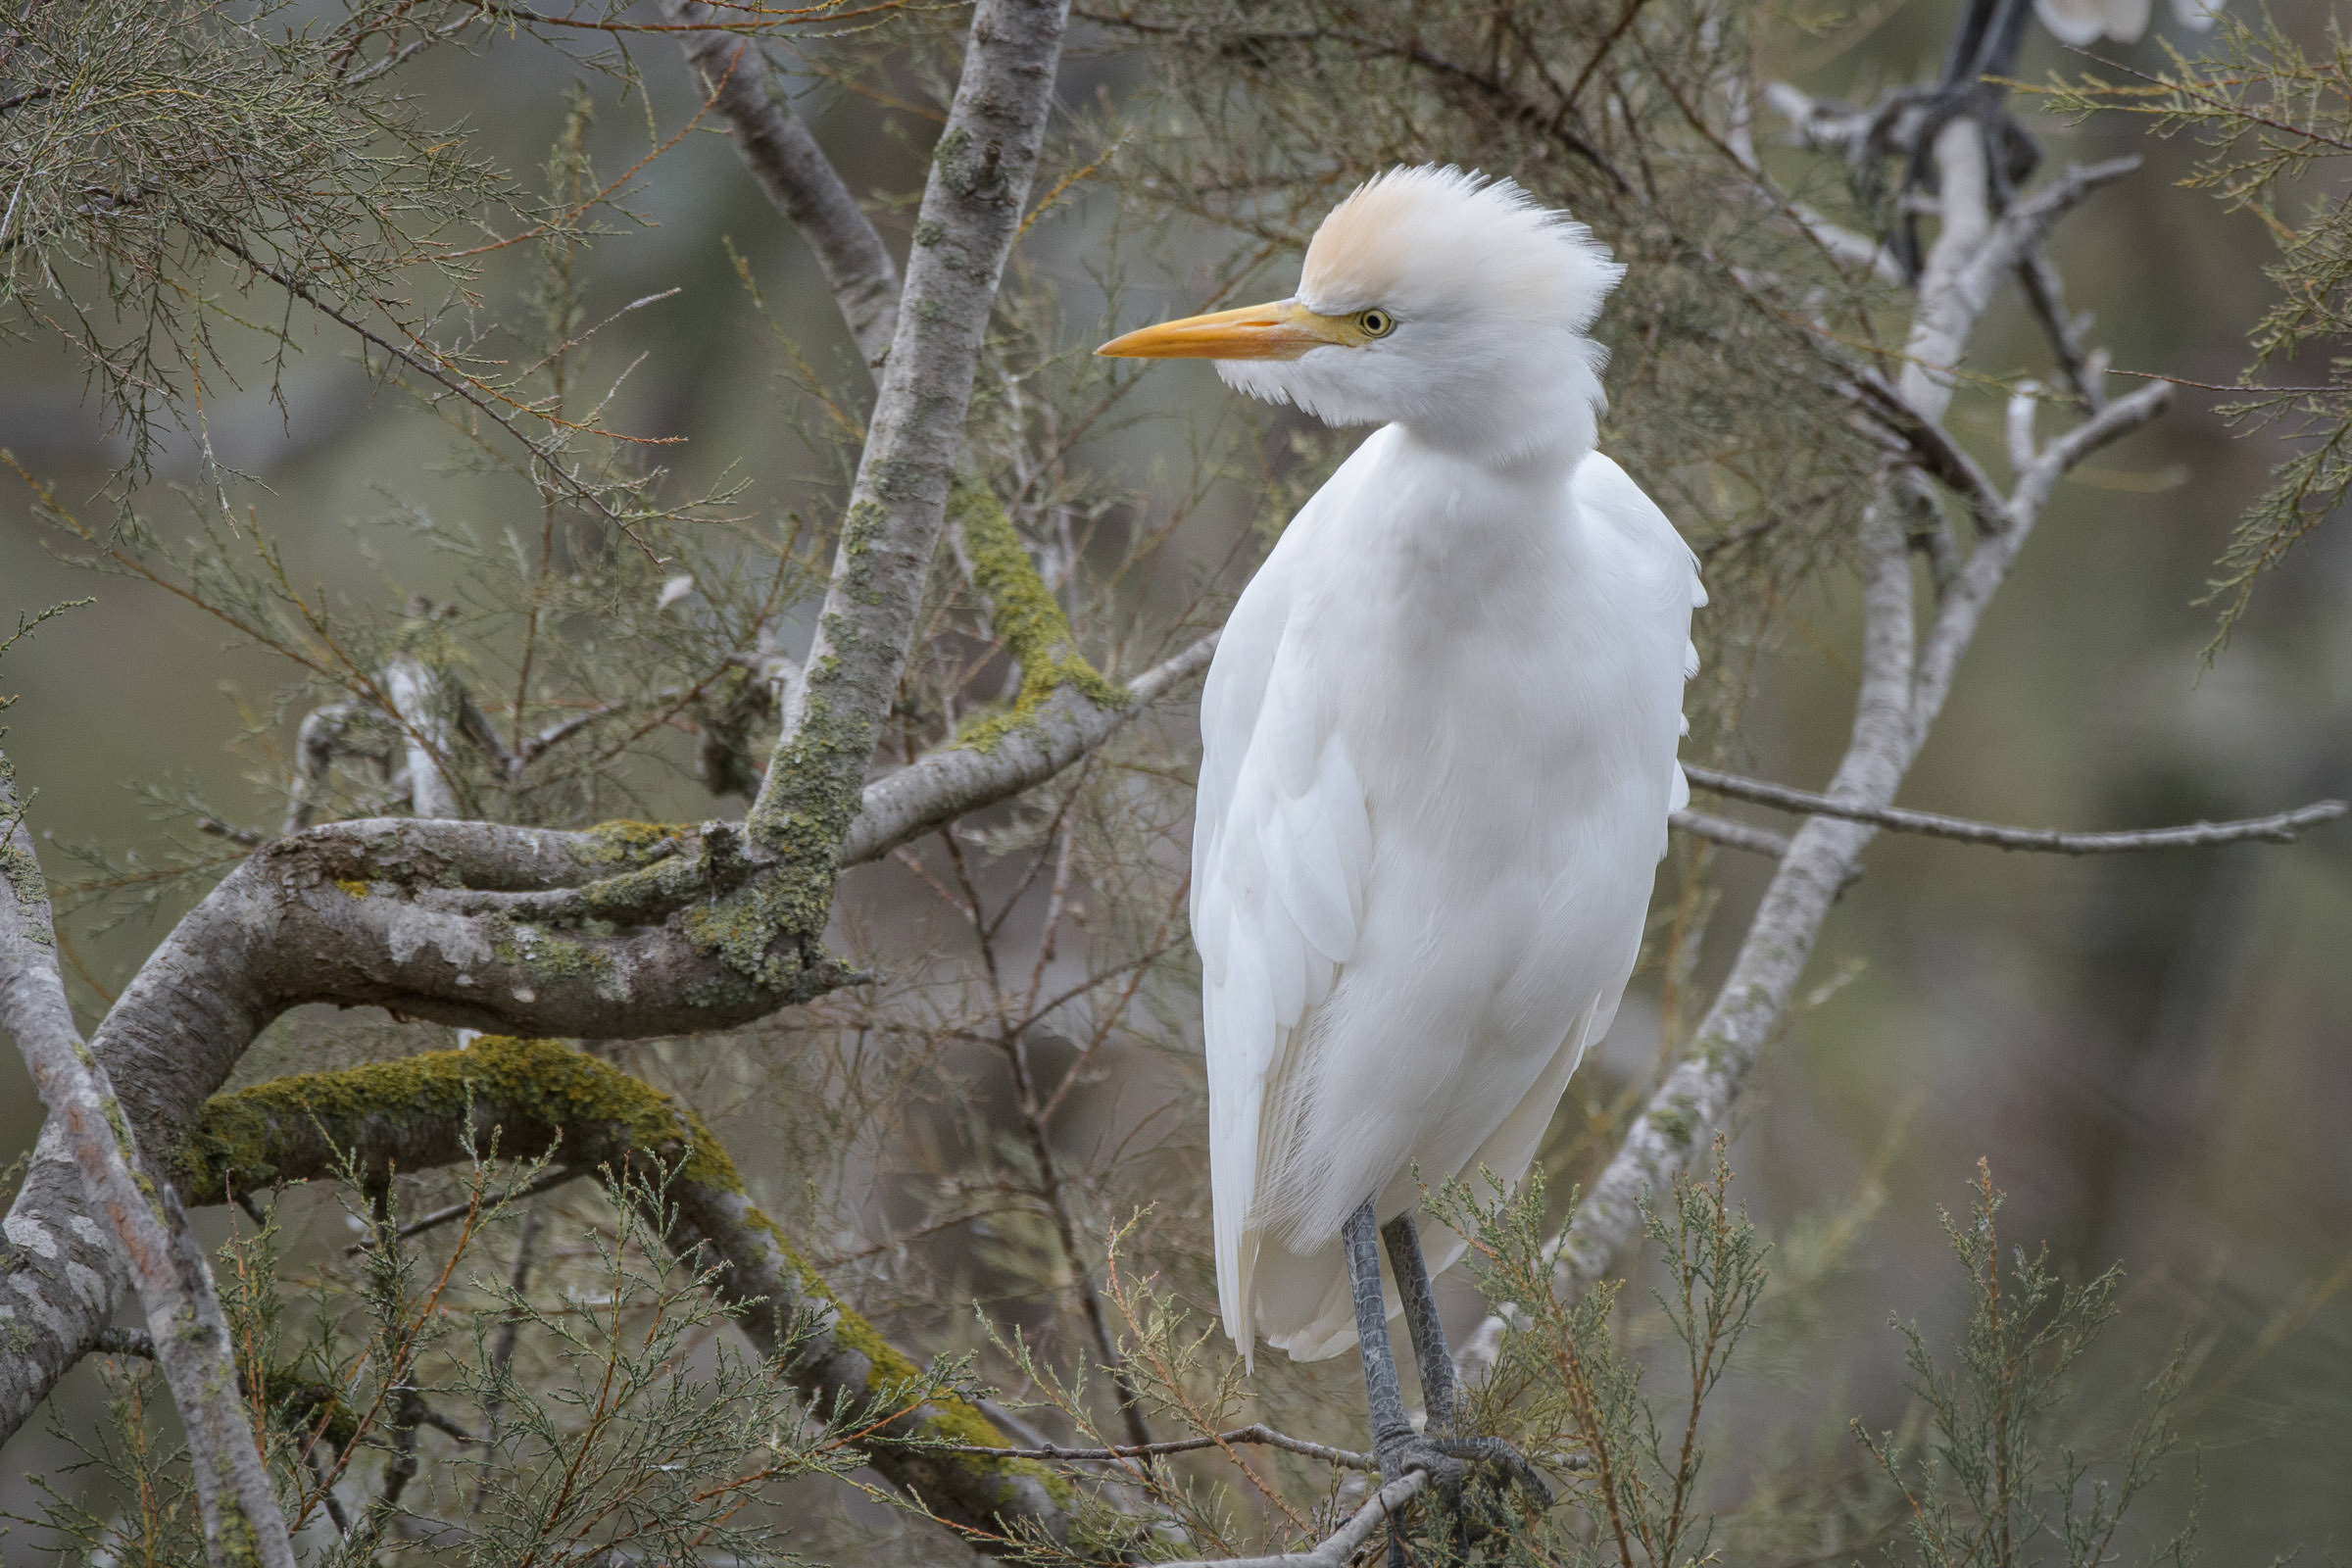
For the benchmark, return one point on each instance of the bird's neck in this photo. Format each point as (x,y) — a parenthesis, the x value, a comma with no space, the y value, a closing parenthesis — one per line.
(1544,416)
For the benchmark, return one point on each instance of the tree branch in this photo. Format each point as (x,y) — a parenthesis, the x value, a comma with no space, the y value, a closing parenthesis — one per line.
(797,175)
(1724,831)
(365,912)
(540,1099)
(2281,828)
(1259,1435)
(1903,687)
(1342,1544)
(242,1524)
(972,209)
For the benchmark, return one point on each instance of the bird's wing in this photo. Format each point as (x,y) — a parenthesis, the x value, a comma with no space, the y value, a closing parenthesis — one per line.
(1281,849)
(1608,493)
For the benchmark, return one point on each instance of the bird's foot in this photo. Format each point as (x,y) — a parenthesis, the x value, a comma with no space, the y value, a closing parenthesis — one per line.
(1469,1482)
(1511,1467)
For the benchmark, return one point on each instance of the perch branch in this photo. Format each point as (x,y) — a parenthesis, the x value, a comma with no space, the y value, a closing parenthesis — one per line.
(1336,1548)
(1259,1435)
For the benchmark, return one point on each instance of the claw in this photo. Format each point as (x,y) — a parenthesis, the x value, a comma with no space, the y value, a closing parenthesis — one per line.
(1500,1454)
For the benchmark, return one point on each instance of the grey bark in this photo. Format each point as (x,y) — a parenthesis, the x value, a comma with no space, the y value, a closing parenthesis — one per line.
(802,183)
(971,210)
(241,1520)
(281,931)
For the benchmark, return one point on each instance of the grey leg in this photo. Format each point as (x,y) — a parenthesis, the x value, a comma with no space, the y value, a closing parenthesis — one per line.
(1430,1354)
(1402,1449)
(1391,1430)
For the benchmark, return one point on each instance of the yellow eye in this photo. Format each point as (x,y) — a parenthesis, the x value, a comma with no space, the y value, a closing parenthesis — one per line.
(1375,322)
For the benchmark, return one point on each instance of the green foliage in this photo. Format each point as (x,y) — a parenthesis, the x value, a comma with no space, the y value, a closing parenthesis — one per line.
(1567,1390)
(154,153)
(2275,120)
(527,1427)
(1989,1477)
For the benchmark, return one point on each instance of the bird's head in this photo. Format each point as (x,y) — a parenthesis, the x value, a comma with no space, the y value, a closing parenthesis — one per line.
(1451,303)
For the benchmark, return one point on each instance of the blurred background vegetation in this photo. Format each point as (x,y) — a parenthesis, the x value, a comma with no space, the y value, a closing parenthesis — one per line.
(2153,1052)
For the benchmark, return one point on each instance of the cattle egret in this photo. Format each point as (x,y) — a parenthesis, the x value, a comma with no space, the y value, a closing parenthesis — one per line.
(1437,759)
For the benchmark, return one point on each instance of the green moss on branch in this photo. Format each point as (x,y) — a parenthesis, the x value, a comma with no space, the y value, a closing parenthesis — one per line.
(1025,614)
(529,1099)
(522,1098)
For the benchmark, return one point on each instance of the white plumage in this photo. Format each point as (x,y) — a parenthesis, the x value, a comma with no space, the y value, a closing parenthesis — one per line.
(1439,738)
(2084,22)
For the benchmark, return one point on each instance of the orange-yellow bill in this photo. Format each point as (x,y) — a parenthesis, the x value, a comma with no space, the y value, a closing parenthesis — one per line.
(1280,330)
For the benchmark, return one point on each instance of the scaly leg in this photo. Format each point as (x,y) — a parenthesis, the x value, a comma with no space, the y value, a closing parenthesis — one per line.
(1430,1354)
(1439,1394)
(1992,33)
(1400,1449)
(1393,1437)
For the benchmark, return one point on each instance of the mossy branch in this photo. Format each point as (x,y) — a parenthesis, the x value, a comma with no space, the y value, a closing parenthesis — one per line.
(541,1098)
(1026,617)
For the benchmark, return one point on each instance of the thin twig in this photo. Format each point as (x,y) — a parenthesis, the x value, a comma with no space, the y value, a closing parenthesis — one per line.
(442,1216)
(2281,828)
(1259,1434)
(1733,835)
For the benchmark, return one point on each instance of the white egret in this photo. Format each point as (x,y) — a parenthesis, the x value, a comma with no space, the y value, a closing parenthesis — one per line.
(1437,759)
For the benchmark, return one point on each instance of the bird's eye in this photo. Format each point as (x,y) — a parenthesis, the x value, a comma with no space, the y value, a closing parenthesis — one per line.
(1375,322)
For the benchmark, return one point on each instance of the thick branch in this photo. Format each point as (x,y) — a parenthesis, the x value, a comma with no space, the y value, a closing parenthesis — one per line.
(378,912)
(1005,761)
(241,1520)
(535,1099)
(971,210)
(2281,828)
(794,171)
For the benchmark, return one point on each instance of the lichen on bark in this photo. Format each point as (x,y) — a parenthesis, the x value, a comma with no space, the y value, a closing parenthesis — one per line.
(1025,614)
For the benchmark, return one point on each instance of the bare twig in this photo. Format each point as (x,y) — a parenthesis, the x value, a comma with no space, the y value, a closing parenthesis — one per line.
(1724,831)
(2279,828)
(798,178)
(1259,1435)
(442,1216)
